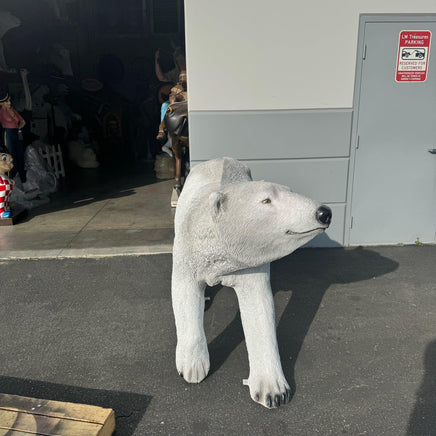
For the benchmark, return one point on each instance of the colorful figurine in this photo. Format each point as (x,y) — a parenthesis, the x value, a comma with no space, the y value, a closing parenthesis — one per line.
(6,184)
(12,123)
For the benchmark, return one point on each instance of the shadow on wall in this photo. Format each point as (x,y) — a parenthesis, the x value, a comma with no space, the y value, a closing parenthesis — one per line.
(307,274)
(129,408)
(423,418)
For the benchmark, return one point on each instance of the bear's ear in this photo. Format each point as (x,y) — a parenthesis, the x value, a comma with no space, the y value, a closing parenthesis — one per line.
(216,200)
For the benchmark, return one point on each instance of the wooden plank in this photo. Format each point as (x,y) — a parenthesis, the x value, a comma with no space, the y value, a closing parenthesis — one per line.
(7,421)
(33,416)
(6,222)
(17,215)
(109,426)
(16,433)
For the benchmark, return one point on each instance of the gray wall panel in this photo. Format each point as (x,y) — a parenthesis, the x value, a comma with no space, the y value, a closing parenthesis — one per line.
(307,150)
(270,134)
(321,179)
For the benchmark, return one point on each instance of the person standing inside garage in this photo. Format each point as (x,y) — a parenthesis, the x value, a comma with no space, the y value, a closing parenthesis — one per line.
(12,122)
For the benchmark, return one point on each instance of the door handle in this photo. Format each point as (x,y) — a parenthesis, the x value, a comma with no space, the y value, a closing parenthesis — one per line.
(432,150)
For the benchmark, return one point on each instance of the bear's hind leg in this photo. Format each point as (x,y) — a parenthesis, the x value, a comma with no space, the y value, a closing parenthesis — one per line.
(192,355)
(266,381)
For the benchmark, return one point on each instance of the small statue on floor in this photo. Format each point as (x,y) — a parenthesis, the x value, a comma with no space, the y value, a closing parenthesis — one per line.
(6,184)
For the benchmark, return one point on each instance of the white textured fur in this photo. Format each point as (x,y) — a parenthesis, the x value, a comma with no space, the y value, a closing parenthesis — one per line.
(228,228)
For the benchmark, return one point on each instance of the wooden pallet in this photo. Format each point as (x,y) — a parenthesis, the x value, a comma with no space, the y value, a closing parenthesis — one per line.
(23,416)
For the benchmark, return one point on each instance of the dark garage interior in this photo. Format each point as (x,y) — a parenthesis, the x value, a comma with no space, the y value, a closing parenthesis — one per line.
(95,94)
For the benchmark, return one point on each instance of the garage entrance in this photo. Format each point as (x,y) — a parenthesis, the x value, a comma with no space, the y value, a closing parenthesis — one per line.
(394,185)
(87,80)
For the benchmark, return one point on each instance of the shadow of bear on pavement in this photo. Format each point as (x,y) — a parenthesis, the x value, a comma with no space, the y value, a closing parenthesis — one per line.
(307,274)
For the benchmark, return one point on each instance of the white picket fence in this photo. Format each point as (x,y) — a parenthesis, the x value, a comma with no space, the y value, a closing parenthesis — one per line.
(52,154)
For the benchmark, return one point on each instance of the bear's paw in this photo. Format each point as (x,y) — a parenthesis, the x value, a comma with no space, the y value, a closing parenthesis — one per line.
(269,392)
(192,363)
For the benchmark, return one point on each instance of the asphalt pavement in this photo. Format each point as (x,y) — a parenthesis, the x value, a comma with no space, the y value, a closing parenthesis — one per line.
(356,330)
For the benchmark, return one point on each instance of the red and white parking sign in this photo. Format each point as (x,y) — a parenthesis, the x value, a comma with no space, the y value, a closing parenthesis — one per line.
(413,54)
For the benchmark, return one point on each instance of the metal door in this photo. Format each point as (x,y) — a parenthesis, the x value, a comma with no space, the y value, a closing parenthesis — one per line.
(394,186)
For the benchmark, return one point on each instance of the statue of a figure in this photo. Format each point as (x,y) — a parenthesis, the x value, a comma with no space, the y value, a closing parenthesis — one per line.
(6,184)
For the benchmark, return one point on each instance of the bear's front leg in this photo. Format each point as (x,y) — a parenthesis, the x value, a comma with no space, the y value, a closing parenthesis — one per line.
(266,381)
(192,356)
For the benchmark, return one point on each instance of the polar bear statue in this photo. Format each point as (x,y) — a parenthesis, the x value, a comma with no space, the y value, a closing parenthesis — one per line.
(228,228)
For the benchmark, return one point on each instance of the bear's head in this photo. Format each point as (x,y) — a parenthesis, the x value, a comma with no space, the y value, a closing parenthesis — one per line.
(258,222)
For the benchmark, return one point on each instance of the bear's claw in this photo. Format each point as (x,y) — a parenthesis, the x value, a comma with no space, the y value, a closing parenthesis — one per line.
(196,373)
(193,369)
(272,399)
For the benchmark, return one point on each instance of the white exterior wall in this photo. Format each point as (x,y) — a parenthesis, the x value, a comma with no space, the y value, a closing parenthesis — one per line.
(277,54)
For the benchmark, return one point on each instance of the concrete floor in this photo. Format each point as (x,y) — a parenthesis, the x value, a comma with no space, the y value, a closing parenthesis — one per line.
(96,212)
(356,327)
(356,331)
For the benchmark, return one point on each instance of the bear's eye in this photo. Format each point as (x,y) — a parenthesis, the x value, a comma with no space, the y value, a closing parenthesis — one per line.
(3,157)
(266,201)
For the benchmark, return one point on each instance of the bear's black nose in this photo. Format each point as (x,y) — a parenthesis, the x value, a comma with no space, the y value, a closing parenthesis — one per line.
(324,215)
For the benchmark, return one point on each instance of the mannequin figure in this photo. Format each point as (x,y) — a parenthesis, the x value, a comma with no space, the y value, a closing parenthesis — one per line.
(41,110)
(6,184)
(177,94)
(179,64)
(12,123)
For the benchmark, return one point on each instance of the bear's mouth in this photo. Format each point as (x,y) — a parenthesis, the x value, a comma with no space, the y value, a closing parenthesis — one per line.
(290,232)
